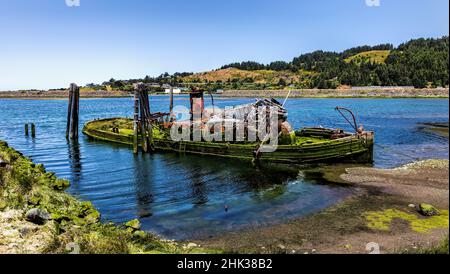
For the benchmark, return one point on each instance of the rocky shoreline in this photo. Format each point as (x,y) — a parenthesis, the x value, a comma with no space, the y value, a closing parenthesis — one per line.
(37,216)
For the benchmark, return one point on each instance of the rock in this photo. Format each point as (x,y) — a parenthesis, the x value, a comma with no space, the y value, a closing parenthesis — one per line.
(11,215)
(2,163)
(141,234)
(280,246)
(93,217)
(24,231)
(60,184)
(133,224)
(37,216)
(3,205)
(428,210)
(34,200)
(191,245)
(412,206)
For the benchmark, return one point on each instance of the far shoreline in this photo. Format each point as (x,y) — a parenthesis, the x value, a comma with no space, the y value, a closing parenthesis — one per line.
(369,93)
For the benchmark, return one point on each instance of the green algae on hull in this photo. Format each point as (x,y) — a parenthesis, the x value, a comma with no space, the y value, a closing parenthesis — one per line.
(309,145)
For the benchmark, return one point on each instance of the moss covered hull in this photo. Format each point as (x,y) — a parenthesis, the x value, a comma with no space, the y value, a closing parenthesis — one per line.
(351,148)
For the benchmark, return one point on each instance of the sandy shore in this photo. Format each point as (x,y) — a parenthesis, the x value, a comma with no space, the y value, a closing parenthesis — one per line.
(383,210)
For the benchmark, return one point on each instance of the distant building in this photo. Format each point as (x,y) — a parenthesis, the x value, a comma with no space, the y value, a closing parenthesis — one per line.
(219,91)
(175,90)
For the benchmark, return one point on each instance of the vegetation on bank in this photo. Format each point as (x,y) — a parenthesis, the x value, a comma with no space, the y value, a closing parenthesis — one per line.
(39,200)
(419,63)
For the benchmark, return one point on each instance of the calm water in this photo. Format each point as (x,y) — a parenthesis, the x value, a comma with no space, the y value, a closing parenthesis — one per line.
(183,197)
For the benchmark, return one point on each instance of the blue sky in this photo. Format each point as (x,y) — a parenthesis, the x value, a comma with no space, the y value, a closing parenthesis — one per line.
(46,44)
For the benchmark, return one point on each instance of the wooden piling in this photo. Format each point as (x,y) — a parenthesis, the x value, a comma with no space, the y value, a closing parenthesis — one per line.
(136,121)
(73,112)
(142,119)
(171,103)
(69,112)
(33,131)
(26,130)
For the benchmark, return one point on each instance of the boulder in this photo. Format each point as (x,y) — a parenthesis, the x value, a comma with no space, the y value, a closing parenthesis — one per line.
(428,210)
(37,216)
(191,245)
(133,225)
(60,184)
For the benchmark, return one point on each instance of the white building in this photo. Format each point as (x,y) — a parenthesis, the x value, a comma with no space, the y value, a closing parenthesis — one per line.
(175,90)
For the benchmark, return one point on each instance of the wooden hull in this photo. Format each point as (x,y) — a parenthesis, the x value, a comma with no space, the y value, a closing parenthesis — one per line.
(352,148)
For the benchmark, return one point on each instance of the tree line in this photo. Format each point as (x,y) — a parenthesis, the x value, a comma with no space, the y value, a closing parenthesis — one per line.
(419,63)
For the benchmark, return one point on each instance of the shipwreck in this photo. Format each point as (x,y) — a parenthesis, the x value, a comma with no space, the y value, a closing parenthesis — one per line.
(257,132)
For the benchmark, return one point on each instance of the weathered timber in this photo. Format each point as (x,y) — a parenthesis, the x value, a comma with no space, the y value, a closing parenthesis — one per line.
(26,130)
(69,112)
(318,146)
(73,112)
(171,103)
(143,116)
(136,122)
(33,131)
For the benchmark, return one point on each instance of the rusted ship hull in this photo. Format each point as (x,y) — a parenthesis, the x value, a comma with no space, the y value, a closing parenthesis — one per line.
(356,148)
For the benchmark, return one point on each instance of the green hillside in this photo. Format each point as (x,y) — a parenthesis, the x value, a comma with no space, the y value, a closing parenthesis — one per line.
(373,56)
(420,63)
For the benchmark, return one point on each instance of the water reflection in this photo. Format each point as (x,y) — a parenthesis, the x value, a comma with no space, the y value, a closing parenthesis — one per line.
(75,165)
(143,170)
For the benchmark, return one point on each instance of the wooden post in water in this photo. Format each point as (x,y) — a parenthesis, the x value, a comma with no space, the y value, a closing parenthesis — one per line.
(136,120)
(69,112)
(171,103)
(73,112)
(33,131)
(26,130)
(143,123)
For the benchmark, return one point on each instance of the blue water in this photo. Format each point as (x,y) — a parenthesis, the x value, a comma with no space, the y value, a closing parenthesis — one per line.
(183,197)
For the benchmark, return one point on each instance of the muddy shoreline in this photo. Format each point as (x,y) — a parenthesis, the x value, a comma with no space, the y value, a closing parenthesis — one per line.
(346,228)
(304,93)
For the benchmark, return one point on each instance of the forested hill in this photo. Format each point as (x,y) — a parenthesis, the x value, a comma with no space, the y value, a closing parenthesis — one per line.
(420,63)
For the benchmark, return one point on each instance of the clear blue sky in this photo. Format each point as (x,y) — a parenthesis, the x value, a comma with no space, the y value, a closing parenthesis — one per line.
(46,44)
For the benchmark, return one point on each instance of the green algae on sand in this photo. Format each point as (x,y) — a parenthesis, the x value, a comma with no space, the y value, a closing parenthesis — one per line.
(382,220)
